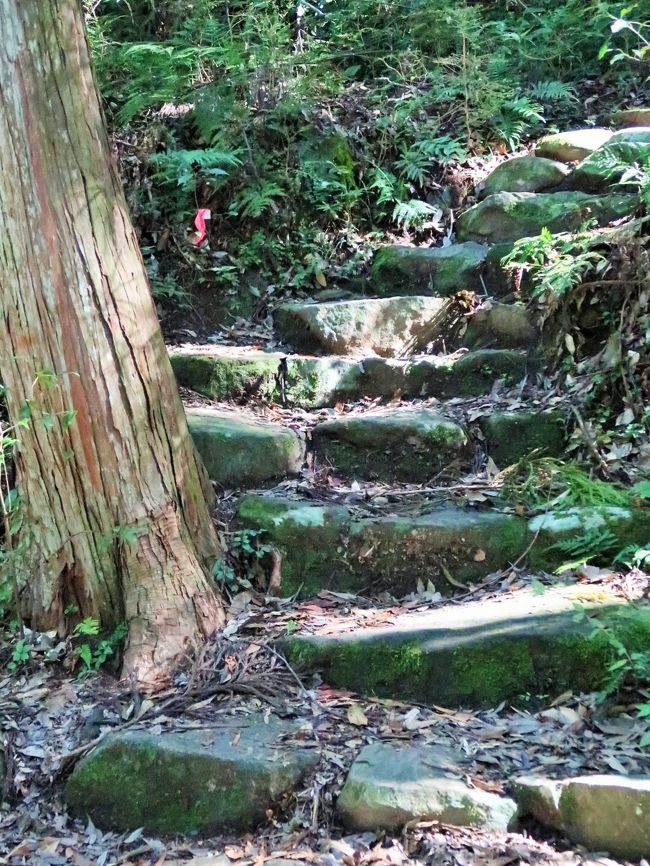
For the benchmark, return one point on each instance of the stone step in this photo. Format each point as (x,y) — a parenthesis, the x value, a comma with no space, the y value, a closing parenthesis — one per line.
(409,444)
(523,174)
(389,327)
(241,452)
(440,271)
(519,648)
(508,216)
(572,145)
(351,548)
(224,374)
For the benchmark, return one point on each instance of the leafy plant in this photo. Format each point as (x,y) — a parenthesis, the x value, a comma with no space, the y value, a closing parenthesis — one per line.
(241,566)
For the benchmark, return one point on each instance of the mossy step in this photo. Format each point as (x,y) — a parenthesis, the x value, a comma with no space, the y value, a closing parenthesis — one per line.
(241,452)
(325,546)
(509,216)
(440,271)
(223,778)
(523,174)
(389,327)
(310,382)
(409,444)
(519,649)
(511,435)
(572,145)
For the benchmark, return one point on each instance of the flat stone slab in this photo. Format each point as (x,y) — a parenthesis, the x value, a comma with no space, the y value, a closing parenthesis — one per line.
(311,382)
(572,145)
(509,216)
(524,174)
(388,786)
(201,781)
(334,547)
(603,813)
(410,444)
(388,327)
(239,452)
(441,271)
(516,648)
(509,436)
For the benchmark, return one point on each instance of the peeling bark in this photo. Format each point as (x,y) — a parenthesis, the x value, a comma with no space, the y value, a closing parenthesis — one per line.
(75,300)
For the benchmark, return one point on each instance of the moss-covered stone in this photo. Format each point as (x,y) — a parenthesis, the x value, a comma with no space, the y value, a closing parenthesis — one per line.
(315,382)
(441,271)
(393,552)
(572,145)
(238,452)
(524,174)
(521,649)
(594,533)
(629,117)
(509,436)
(226,375)
(507,326)
(310,538)
(391,444)
(509,216)
(382,326)
(222,778)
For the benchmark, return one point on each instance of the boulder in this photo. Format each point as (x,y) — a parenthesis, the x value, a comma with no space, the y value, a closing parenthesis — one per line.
(524,174)
(572,145)
(440,271)
(509,436)
(389,327)
(200,781)
(315,382)
(639,116)
(509,216)
(239,452)
(387,787)
(606,166)
(410,444)
(506,325)
(603,813)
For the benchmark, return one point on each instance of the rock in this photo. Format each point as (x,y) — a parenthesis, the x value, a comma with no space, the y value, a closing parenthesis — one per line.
(560,536)
(238,452)
(441,271)
(383,326)
(408,444)
(539,798)
(572,145)
(200,781)
(509,436)
(387,787)
(224,374)
(522,648)
(524,174)
(334,547)
(509,216)
(606,166)
(603,813)
(639,116)
(314,382)
(506,325)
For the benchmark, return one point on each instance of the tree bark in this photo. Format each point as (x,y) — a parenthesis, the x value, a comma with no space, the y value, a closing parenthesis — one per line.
(116,522)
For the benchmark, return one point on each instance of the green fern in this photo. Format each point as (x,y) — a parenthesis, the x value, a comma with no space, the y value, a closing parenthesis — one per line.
(181,167)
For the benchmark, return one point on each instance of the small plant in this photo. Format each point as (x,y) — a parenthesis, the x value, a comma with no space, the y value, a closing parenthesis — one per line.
(93,655)
(20,655)
(241,566)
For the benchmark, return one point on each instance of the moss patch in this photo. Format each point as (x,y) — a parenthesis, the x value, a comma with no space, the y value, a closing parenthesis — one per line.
(227,378)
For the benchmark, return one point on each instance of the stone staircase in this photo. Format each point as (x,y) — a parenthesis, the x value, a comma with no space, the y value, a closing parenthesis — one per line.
(352,453)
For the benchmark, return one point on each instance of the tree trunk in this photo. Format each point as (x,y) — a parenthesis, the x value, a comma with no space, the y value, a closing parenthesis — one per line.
(117,525)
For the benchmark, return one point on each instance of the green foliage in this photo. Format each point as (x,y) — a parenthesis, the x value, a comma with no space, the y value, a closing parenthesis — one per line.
(241,565)
(94,654)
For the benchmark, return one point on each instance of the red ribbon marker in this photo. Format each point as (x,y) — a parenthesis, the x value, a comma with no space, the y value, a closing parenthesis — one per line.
(202,215)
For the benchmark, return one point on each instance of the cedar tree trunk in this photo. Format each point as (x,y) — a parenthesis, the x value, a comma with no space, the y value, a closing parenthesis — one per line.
(116,522)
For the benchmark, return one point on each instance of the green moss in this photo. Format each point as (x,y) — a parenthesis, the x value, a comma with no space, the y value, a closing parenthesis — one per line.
(511,436)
